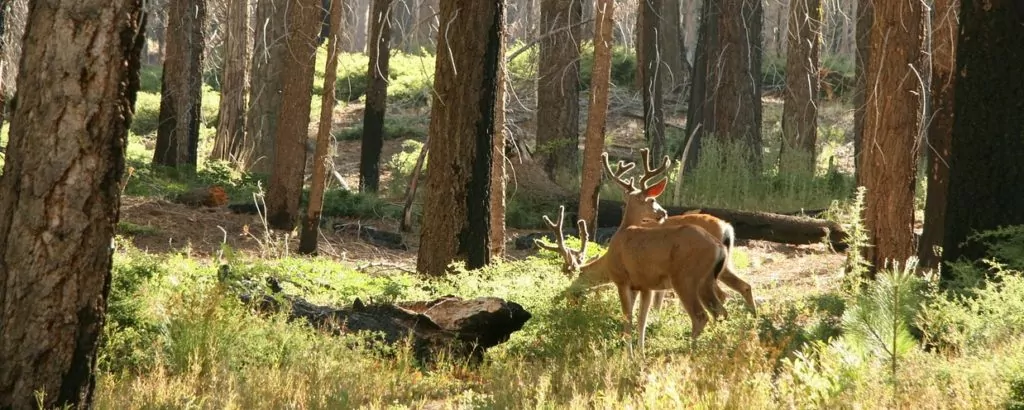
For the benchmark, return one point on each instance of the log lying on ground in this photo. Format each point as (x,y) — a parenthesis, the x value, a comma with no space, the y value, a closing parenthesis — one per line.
(461,329)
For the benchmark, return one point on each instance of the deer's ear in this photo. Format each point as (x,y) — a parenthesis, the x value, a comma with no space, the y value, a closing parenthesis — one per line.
(654,190)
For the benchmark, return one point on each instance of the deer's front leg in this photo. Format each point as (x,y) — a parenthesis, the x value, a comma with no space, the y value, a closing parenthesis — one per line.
(646,297)
(626,298)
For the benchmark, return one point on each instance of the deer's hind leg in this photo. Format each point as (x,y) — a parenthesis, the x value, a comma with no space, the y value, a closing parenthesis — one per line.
(690,300)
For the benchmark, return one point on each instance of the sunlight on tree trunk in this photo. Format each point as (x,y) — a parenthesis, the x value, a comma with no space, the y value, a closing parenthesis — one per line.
(376,96)
(181,94)
(265,97)
(231,123)
(865,16)
(800,111)
(600,78)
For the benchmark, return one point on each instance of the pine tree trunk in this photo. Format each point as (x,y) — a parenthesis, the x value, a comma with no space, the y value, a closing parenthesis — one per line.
(286,177)
(891,119)
(940,128)
(558,91)
(985,166)
(265,97)
(654,110)
(498,174)
(231,124)
(590,186)
(456,220)
(60,196)
(426,25)
(181,94)
(672,47)
(376,96)
(800,111)
(865,16)
(15,13)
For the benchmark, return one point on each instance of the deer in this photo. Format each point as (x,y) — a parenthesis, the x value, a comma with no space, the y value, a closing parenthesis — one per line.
(643,259)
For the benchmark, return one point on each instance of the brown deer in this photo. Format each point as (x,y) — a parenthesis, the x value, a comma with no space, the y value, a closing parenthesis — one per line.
(644,259)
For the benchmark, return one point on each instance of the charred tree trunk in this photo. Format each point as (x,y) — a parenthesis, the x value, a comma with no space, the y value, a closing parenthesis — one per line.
(285,186)
(235,87)
(654,110)
(181,94)
(558,91)
(590,186)
(891,119)
(985,161)
(800,112)
(376,96)
(456,221)
(59,197)
(265,97)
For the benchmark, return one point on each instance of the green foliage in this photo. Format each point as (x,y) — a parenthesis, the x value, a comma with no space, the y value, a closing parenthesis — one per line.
(410,77)
(342,203)
(147,113)
(150,79)
(395,127)
(523,69)
(402,165)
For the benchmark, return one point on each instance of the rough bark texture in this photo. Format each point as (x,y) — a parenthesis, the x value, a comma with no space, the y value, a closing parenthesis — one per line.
(456,220)
(800,111)
(59,196)
(654,110)
(940,128)
(376,96)
(673,50)
(498,161)
(985,167)
(181,93)
(590,185)
(265,97)
(891,119)
(286,177)
(558,91)
(865,16)
(697,108)
(311,222)
(235,87)
(14,13)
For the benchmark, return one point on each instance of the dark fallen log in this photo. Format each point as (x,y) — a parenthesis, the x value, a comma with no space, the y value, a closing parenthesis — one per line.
(450,325)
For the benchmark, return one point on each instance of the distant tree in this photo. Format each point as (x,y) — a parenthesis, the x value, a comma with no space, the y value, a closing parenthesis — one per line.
(286,178)
(181,92)
(234,89)
(654,110)
(865,17)
(456,219)
(13,14)
(426,24)
(940,127)
(892,116)
(985,168)
(60,197)
(673,51)
(600,78)
(269,56)
(800,110)
(376,96)
(558,91)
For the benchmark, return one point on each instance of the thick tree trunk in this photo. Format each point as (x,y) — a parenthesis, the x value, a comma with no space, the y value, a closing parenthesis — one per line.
(865,17)
(940,128)
(590,185)
(497,205)
(14,14)
(285,187)
(234,90)
(700,97)
(59,196)
(376,96)
(558,91)
(673,49)
(654,110)
(265,97)
(891,119)
(800,112)
(181,94)
(985,165)
(456,220)
(311,223)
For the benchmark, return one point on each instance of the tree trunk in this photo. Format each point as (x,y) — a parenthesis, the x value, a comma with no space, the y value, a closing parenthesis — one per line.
(654,110)
(891,119)
(59,196)
(285,186)
(14,14)
(940,128)
(800,111)
(181,93)
(311,223)
(865,16)
(638,42)
(456,220)
(376,96)
(673,49)
(558,91)
(235,87)
(700,96)
(985,165)
(590,186)
(265,97)
(497,205)
(426,25)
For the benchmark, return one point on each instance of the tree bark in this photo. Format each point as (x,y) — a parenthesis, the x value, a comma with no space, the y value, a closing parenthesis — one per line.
(673,49)
(891,119)
(654,110)
(558,91)
(498,181)
(268,62)
(940,128)
(426,25)
(311,223)
(865,17)
(800,110)
(700,97)
(985,158)
(600,78)
(59,196)
(181,93)
(376,96)
(456,221)
(234,90)
(15,13)
(285,186)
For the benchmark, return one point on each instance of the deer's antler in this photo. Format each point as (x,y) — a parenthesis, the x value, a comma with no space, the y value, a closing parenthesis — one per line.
(623,168)
(650,173)
(572,258)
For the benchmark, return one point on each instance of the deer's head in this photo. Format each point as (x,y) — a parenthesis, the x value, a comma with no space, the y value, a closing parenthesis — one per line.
(641,200)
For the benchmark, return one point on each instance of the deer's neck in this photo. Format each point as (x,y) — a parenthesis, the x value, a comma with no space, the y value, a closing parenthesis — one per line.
(594,272)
